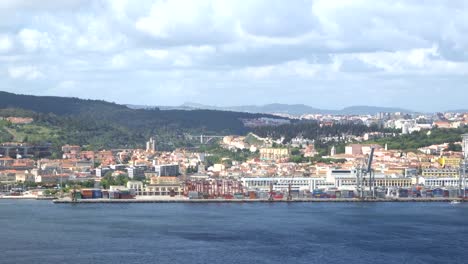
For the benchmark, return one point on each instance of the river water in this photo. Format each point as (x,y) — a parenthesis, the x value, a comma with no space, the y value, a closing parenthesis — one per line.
(42,232)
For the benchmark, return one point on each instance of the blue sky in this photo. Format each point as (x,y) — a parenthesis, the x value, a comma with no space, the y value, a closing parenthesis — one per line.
(324,53)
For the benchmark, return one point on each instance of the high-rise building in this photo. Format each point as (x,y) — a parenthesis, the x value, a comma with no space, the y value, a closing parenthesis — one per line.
(151,145)
(167,170)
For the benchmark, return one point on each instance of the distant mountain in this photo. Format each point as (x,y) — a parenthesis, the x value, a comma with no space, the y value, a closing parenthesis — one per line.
(371,110)
(294,109)
(299,109)
(458,111)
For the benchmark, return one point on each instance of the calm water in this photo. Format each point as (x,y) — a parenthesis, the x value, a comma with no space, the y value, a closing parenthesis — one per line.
(41,232)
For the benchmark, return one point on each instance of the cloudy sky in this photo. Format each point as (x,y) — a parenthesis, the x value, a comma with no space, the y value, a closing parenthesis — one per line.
(324,53)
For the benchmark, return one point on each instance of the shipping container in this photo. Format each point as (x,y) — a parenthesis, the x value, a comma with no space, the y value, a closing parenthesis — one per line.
(438,192)
(97,194)
(317,191)
(453,193)
(126,196)
(429,193)
(193,195)
(380,194)
(263,195)
(239,195)
(114,195)
(345,194)
(77,195)
(403,193)
(86,194)
(278,196)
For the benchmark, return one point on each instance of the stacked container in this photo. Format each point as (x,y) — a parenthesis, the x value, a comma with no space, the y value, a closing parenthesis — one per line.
(193,195)
(403,193)
(126,195)
(97,194)
(114,195)
(239,195)
(86,194)
(438,192)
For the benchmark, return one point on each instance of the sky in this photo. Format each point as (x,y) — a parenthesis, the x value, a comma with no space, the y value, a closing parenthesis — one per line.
(323,53)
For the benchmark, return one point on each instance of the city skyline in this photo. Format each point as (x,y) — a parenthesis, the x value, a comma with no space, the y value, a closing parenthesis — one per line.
(325,54)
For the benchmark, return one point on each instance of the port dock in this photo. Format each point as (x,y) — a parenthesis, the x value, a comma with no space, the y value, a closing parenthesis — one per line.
(306,200)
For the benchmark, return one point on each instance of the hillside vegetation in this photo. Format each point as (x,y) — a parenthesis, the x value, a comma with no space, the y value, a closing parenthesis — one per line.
(415,140)
(100,124)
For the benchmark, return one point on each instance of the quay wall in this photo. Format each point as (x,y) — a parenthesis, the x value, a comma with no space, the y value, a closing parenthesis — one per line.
(351,200)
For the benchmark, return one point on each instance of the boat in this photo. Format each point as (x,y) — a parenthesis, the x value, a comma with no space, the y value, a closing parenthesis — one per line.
(455,202)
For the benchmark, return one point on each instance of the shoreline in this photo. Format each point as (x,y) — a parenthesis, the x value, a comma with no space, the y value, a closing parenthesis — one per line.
(309,200)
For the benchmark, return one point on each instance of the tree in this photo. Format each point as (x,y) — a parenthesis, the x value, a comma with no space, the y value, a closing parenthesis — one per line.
(454,147)
(109,180)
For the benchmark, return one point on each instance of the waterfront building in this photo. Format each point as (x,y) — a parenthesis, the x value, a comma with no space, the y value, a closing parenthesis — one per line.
(137,186)
(282,183)
(162,190)
(156,188)
(440,173)
(342,178)
(385,181)
(439,182)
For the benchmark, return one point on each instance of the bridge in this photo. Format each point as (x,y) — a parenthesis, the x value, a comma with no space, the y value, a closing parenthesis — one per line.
(203,139)
(13,149)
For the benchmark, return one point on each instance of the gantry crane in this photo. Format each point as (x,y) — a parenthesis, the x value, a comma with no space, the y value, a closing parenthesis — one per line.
(361,172)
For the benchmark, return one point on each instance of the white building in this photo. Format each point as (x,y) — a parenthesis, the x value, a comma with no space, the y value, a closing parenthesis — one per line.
(151,145)
(282,184)
(439,182)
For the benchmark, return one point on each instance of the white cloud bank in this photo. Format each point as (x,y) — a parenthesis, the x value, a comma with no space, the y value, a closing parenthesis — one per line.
(326,53)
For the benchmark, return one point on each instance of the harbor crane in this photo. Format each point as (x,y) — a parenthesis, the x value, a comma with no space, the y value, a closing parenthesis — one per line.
(362,171)
(463,166)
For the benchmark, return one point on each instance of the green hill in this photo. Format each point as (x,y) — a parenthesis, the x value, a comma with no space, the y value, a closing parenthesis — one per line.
(101,124)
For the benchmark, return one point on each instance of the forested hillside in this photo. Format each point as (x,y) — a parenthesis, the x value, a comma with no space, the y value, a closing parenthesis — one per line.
(313,130)
(103,125)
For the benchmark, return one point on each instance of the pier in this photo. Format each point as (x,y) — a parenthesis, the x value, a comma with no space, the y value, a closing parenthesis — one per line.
(307,200)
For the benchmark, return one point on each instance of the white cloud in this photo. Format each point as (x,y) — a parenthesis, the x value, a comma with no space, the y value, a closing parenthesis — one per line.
(33,40)
(183,61)
(189,22)
(422,61)
(157,53)
(97,34)
(118,61)
(219,47)
(66,85)
(6,44)
(25,72)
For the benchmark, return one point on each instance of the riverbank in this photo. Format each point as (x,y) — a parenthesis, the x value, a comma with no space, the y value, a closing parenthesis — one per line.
(307,200)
